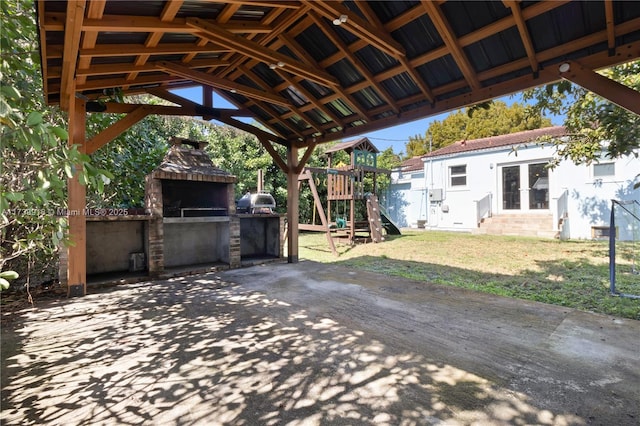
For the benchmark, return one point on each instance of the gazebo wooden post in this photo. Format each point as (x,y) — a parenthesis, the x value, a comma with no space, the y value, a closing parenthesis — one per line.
(293,204)
(77,201)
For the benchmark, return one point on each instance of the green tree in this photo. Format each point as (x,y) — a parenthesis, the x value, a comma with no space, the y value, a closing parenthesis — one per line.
(36,160)
(241,154)
(492,119)
(134,154)
(416,146)
(387,159)
(595,125)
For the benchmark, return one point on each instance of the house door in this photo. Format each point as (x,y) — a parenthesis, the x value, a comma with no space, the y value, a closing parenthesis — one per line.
(511,188)
(538,186)
(525,187)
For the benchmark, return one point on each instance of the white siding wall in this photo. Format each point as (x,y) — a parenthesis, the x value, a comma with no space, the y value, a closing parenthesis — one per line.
(406,201)
(588,196)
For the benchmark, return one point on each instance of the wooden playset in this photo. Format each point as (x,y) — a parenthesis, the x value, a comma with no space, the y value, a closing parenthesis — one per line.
(351,195)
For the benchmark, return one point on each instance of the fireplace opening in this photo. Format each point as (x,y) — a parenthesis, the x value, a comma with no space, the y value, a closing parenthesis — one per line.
(194,199)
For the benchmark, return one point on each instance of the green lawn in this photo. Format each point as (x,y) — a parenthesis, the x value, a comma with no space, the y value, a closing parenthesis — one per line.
(566,273)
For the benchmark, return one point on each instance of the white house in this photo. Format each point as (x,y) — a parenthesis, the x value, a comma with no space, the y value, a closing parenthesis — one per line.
(501,185)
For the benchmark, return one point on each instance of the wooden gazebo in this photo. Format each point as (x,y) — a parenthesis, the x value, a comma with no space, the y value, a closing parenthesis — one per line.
(316,71)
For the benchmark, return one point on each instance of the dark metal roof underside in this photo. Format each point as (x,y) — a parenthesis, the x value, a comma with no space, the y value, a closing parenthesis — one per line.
(306,79)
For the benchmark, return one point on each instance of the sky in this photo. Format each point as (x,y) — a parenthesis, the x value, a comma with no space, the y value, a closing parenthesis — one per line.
(395,137)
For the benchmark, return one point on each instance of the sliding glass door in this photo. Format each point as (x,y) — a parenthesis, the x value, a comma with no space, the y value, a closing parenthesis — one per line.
(525,187)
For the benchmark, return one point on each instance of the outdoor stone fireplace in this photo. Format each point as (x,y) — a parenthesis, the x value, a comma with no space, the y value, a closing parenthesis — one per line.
(189,223)
(192,209)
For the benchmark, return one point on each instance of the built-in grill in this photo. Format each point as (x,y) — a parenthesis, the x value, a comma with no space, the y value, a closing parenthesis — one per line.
(192,203)
(191,186)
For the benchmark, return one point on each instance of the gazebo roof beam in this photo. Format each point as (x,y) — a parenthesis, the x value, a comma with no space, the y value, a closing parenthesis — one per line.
(72,35)
(221,83)
(146,24)
(255,50)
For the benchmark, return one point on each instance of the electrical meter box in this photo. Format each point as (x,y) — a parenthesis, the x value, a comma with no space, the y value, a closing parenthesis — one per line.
(435,195)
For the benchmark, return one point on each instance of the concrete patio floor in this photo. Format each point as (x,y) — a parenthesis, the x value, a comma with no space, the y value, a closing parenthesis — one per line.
(307,344)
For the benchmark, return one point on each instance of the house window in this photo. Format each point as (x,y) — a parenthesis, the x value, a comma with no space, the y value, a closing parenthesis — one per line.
(601,232)
(604,169)
(458,175)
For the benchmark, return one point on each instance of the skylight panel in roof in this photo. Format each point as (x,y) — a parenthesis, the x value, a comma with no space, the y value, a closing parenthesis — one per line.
(340,108)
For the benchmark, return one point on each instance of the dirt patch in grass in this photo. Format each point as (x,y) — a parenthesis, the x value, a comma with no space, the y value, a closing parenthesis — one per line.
(566,273)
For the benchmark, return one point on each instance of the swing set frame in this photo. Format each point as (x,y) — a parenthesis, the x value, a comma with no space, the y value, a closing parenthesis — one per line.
(346,184)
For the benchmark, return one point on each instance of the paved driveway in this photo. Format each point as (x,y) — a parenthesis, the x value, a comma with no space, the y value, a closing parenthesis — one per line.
(308,344)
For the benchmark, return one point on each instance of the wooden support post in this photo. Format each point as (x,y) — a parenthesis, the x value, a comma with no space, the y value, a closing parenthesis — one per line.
(77,201)
(352,219)
(293,204)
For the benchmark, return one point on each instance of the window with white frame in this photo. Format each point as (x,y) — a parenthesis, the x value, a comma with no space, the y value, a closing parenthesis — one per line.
(601,170)
(458,175)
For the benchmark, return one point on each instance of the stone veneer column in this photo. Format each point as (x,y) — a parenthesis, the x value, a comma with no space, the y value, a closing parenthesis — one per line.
(234,228)
(234,242)
(153,203)
(283,234)
(63,265)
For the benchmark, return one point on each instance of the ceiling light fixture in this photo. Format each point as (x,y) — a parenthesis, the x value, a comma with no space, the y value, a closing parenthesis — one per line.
(273,66)
(281,64)
(341,20)
(565,67)
(233,90)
